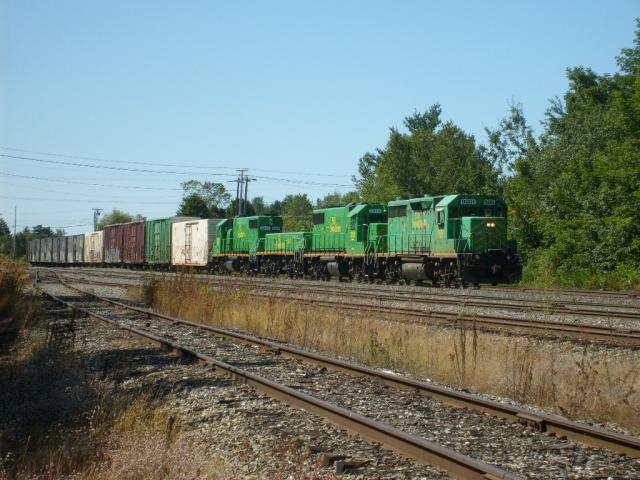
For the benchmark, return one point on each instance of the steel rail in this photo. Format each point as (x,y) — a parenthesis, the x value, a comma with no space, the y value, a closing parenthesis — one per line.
(412,446)
(580,331)
(554,306)
(550,424)
(626,337)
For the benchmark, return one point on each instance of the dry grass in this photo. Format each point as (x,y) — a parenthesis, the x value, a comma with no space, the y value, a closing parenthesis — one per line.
(60,419)
(588,383)
(15,307)
(62,416)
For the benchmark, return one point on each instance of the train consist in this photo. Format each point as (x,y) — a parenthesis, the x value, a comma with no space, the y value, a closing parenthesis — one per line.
(448,239)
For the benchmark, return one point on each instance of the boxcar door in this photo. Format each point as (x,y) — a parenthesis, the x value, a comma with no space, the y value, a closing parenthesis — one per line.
(188,235)
(156,253)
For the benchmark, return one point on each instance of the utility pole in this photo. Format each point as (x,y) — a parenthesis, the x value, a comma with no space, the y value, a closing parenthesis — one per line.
(237,202)
(242,189)
(96,217)
(246,188)
(15,228)
(241,192)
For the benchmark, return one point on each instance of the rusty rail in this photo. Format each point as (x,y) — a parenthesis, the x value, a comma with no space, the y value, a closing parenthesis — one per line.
(417,448)
(551,424)
(627,337)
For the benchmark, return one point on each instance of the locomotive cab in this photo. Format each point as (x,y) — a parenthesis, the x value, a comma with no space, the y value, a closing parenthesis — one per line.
(480,224)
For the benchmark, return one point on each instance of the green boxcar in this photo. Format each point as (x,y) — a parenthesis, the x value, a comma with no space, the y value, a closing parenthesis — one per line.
(346,229)
(287,243)
(157,239)
(244,235)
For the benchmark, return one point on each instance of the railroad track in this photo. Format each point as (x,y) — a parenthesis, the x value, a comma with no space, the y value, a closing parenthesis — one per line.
(568,295)
(409,444)
(626,294)
(627,337)
(471,298)
(458,465)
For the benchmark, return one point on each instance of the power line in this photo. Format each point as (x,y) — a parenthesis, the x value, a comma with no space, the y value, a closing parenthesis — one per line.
(47,190)
(74,182)
(143,170)
(84,200)
(106,167)
(155,164)
(56,226)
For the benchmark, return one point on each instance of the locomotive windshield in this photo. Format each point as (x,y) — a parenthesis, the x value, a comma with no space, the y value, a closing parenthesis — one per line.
(476,211)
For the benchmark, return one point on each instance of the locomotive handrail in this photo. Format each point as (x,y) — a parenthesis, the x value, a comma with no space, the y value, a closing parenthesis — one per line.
(408,243)
(328,242)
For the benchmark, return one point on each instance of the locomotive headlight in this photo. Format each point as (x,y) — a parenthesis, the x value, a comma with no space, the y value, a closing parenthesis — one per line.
(491,224)
(476,256)
(508,257)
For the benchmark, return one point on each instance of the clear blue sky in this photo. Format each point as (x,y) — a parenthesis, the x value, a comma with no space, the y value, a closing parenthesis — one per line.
(291,86)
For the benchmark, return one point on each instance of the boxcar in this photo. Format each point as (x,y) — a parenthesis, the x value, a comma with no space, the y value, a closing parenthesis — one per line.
(58,250)
(38,244)
(191,242)
(93,243)
(157,239)
(55,249)
(132,251)
(75,248)
(112,243)
(33,250)
(45,250)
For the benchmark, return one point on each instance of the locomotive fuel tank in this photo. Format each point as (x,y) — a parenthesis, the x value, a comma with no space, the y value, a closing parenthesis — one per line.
(414,271)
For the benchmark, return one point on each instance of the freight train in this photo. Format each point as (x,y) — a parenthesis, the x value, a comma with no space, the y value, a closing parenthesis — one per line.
(445,239)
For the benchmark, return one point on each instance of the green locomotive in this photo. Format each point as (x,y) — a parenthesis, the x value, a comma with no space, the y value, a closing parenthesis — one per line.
(449,239)
(240,241)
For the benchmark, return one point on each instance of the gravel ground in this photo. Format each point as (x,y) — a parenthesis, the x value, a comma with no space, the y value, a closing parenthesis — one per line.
(620,354)
(495,441)
(254,436)
(420,298)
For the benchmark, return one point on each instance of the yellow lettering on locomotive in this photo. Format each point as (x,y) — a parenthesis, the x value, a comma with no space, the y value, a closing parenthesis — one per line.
(422,223)
(335,228)
(241,233)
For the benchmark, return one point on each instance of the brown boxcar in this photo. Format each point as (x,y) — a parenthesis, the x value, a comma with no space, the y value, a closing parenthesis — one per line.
(133,243)
(113,243)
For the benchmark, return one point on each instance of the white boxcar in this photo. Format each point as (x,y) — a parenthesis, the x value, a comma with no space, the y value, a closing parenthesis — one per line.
(191,242)
(93,247)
